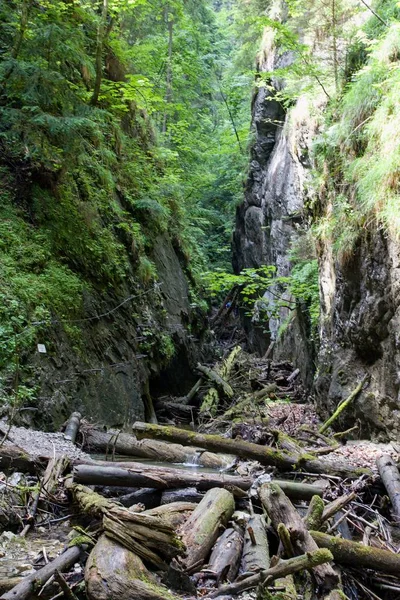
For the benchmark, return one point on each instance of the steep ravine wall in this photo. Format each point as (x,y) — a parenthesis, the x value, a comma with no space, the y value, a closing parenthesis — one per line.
(120,354)
(360,296)
(271,216)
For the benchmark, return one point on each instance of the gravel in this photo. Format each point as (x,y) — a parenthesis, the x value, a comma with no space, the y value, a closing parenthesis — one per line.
(41,443)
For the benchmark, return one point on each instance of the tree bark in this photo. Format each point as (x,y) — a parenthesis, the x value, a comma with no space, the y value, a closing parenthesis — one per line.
(224,560)
(173,514)
(255,555)
(129,445)
(72,427)
(137,475)
(282,569)
(201,530)
(113,572)
(217,380)
(391,480)
(264,454)
(13,458)
(357,555)
(343,405)
(281,510)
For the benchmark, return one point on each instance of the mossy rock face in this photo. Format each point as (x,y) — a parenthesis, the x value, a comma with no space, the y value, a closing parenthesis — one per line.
(115,573)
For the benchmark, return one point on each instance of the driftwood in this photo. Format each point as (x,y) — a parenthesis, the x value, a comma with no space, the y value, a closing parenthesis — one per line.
(282,569)
(72,427)
(115,573)
(264,454)
(313,518)
(189,494)
(13,458)
(255,555)
(217,380)
(391,480)
(145,535)
(333,507)
(30,583)
(281,511)
(138,475)
(129,445)
(224,560)
(344,404)
(173,514)
(201,530)
(357,555)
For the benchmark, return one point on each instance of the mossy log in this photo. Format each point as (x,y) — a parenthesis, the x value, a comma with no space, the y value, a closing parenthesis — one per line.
(391,480)
(139,475)
(311,560)
(26,588)
(115,573)
(313,518)
(129,445)
(147,536)
(357,555)
(224,561)
(201,530)
(281,510)
(264,454)
(13,458)
(255,555)
(217,380)
(173,514)
(344,404)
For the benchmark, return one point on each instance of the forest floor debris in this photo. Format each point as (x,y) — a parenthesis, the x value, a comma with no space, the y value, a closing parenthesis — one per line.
(290,524)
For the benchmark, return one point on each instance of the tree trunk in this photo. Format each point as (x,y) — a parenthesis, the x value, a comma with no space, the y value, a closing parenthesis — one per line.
(357,555)
(224,561)
(115,573)
(30,583)
(173,514)
(168,92)
(201,530)
(391,480)
(72,427)
(255,556)
(13,458)
(129,445)
(281,510)
(138,475)
(282,569)
(217,380)
(264,454)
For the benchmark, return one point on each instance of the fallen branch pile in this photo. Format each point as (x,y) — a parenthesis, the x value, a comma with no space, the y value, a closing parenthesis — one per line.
(275,515)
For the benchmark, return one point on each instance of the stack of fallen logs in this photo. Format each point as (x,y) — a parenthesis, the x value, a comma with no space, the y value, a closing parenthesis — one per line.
(288,524)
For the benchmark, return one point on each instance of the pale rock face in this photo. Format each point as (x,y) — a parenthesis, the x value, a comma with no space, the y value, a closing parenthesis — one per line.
(360,298)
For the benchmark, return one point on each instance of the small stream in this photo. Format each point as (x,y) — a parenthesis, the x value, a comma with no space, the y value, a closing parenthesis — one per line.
(154,463)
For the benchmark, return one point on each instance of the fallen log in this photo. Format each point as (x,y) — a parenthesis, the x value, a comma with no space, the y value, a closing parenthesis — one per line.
(129,445)
(201,530)
(311,560)
(13,458)
(217,380)
(313,518)
(115,573)
(255,555)
(391,480)
(357,555)
(145,535)
(173,514)
(344,404)
(335,506)
(138,475)
(224,560)
(189,494)
(281,510)
(72,427)
(30,583)
(264,454)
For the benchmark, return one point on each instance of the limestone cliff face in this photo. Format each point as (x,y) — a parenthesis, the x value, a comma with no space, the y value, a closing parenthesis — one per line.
(360,333)
(360,297)
(271,217)
(124,352)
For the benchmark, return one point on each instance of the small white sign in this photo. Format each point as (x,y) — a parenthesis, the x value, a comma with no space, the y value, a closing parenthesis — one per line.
(41,348)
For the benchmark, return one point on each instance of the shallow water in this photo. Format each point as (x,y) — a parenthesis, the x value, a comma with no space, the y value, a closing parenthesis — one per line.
(154,463)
